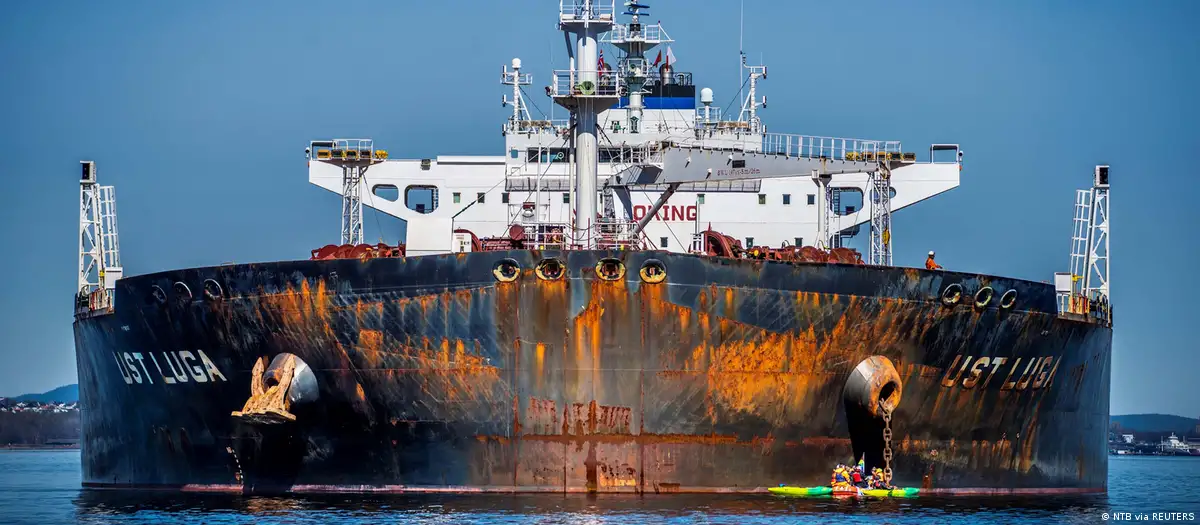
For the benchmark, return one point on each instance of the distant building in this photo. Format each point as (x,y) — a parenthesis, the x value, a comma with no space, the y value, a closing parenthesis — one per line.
(1127,438)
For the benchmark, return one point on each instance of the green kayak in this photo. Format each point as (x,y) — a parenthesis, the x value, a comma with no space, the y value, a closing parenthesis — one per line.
(897,492)
(801,491)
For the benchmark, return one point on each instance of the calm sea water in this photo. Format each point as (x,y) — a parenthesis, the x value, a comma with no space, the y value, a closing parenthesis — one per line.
(43,487)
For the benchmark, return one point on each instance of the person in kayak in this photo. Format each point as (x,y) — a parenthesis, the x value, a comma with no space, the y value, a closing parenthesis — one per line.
(857,476)
(877,479)
(839,479)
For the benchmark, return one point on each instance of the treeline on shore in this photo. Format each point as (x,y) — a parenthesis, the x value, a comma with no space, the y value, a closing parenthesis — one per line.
(34,428)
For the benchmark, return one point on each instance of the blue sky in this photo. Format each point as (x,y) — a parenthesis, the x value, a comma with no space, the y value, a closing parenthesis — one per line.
(199,113)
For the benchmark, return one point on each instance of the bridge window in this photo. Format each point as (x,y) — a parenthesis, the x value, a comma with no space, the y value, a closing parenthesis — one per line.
(662,242)
(699,198)
(479,197)
(847,200)
(457,197)
(546,155)
(420,198)
(787,199)
(566,198)
(812,199)
(504,197)
(762,198)
(386,191)
(606,155)
(891,194)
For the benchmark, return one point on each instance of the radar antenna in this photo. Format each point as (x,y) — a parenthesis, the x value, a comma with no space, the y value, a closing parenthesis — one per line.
(516,79)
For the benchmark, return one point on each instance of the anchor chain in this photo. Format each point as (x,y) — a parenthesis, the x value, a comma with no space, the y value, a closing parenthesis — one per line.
(887,445)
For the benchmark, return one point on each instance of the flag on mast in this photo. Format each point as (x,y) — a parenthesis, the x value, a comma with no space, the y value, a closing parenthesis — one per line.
(670,57)
(657,58)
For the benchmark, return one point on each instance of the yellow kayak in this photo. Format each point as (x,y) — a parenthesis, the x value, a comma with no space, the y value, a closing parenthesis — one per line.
(894,492)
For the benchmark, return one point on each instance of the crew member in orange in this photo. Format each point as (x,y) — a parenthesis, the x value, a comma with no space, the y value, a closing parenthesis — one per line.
(930,264)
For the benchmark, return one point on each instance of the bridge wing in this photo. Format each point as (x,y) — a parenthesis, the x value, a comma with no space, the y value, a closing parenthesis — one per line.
(694,164)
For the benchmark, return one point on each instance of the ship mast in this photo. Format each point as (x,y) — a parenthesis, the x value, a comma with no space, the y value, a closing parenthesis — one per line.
(516,79)
(99,251)
(1085,290)
(636,39)
(750,105)
(1089,247)
(585,90)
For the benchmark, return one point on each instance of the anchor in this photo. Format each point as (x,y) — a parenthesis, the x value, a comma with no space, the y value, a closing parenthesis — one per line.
(275,388)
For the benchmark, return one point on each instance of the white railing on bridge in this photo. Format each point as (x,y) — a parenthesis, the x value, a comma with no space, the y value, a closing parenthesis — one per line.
(648,153)
(570,10)
(536,126)
(827,147)
(579,83)
(649,33)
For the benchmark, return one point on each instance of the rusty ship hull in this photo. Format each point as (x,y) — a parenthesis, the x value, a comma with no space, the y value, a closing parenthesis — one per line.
(433,374)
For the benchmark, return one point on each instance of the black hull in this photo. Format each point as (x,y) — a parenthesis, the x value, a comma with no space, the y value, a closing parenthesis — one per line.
(729,376)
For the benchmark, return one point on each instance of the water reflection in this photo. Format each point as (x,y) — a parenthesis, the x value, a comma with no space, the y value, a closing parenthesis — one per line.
(164,507)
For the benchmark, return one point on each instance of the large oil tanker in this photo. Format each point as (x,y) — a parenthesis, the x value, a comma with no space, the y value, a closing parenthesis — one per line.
(588,319)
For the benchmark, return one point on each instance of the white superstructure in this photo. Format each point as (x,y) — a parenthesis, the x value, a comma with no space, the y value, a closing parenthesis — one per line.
(642,106)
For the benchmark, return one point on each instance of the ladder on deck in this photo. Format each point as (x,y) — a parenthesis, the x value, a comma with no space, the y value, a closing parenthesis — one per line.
(881,215)
(352,227)
(1082,224)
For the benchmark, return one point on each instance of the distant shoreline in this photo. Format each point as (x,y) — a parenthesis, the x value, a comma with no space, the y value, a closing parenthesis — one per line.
(39,447)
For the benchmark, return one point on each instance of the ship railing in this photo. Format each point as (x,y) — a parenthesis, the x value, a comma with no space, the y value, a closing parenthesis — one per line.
(634,67)
(648,153)
(99,299)
(345,150)
(650,33)
(584,83)
(1096,306)
(830,147)
(714,118)
(579,10)
(618,235)
(547,235)
(604,235)
(536,126)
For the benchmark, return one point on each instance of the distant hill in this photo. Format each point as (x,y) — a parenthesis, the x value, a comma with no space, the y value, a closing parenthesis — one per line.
(62,394)
(1156,423)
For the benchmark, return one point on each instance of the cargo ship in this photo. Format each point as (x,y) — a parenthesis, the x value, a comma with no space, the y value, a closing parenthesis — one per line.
(653,295)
